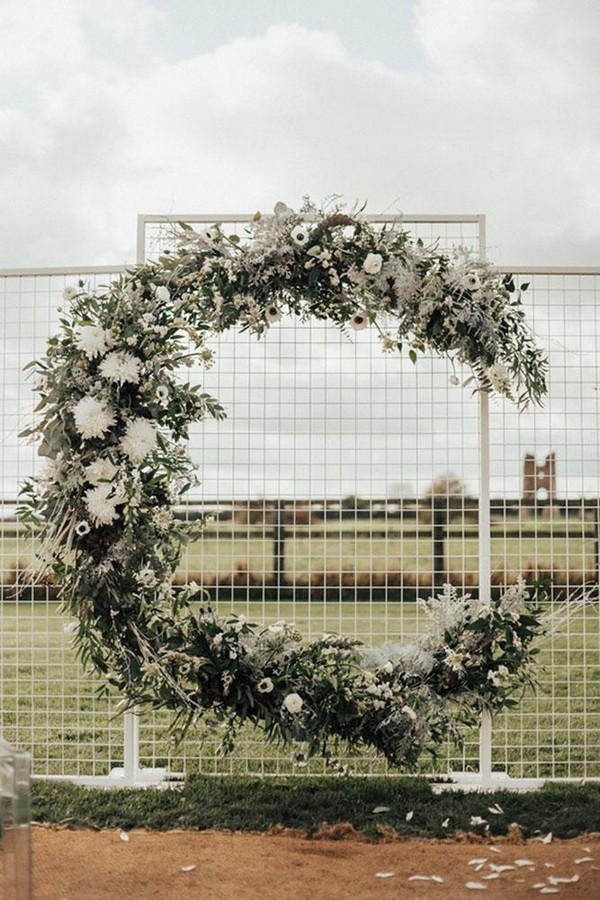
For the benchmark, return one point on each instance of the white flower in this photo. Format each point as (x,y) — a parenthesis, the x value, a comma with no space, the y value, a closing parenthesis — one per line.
(69,293)
(388,668)
(387,342)
(82,528)
(293,703)
(146,577)
(121,366)
(299,235)
(100,470)
(470,281)
(272,314)
(162,294)
(92,417)
(454,379)
(217,640)
(276,629)
(372,264)
(92,340)
(499,377)
(139,439)
(359,321)
(101,506)
(265,686)
(409,711)
(162,394)
(210,235)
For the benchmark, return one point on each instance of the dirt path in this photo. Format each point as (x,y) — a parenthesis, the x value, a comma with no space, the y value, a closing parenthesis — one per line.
(87,865)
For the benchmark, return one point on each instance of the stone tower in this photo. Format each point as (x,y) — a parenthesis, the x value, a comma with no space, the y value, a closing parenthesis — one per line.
(539,477)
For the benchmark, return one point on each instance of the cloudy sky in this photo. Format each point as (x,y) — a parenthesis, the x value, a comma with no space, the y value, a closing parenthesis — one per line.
(112,108)
(109,109)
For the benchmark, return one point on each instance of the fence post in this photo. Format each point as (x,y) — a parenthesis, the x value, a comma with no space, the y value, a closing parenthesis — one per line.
(131,745)
(438,530)
(279,547)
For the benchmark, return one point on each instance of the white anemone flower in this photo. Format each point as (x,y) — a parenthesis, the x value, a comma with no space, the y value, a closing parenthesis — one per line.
(272,314)
(359,321)
(121,367)
(82,528)
(92,417)
(101,506)
(265,686)
(373,263)
(299,235)
(470,281)
(162,394)
(92,340)
(69,292)
(293,703)
(139,439)
(101,469)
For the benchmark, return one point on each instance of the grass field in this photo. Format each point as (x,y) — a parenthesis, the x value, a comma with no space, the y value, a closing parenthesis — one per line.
(368,551)
(49,705)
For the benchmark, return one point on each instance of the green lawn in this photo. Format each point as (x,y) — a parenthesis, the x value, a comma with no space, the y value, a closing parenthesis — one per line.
(48,705)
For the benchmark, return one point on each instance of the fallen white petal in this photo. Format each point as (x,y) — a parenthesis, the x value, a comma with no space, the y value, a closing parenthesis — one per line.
(477,862)
(562,879)
(547,839)
(496,868)
(549,890)
(188,868)
(437,878)
(524,862)
(123,836)
(477,820)
(445,823)
(490,877)
(496,810)
(549,865)
(587,849)
(476,886)
(380,809)
(495,849)
(583,859)
(419,878)
(384,874)
(409,815)
(539,884)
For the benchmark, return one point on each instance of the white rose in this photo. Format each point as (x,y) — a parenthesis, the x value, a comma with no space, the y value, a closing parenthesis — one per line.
(373,263)
(293,703)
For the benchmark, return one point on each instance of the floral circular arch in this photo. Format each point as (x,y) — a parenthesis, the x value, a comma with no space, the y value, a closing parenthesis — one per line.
(114,420)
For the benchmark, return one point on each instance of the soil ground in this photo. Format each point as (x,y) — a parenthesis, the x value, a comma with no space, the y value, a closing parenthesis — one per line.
(98,865)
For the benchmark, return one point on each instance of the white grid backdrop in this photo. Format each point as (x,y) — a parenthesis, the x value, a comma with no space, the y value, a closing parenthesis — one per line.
(314,419)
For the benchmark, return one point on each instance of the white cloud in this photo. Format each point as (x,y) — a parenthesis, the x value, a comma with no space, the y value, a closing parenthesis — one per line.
(502,120)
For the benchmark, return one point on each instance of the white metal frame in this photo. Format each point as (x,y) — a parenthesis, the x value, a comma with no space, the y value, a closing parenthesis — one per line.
(131,773)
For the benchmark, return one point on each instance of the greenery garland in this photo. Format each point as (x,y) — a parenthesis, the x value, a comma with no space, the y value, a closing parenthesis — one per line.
(113,425)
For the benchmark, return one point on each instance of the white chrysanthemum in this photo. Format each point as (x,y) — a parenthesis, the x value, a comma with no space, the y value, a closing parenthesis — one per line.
(121,366)
(359,321)
(100,470)
(92,417)
(139,439)
(373,263)
(162,294)
(101,506)
(92,340)
(299,235)
(293,703)
(272,314)
(265,686)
